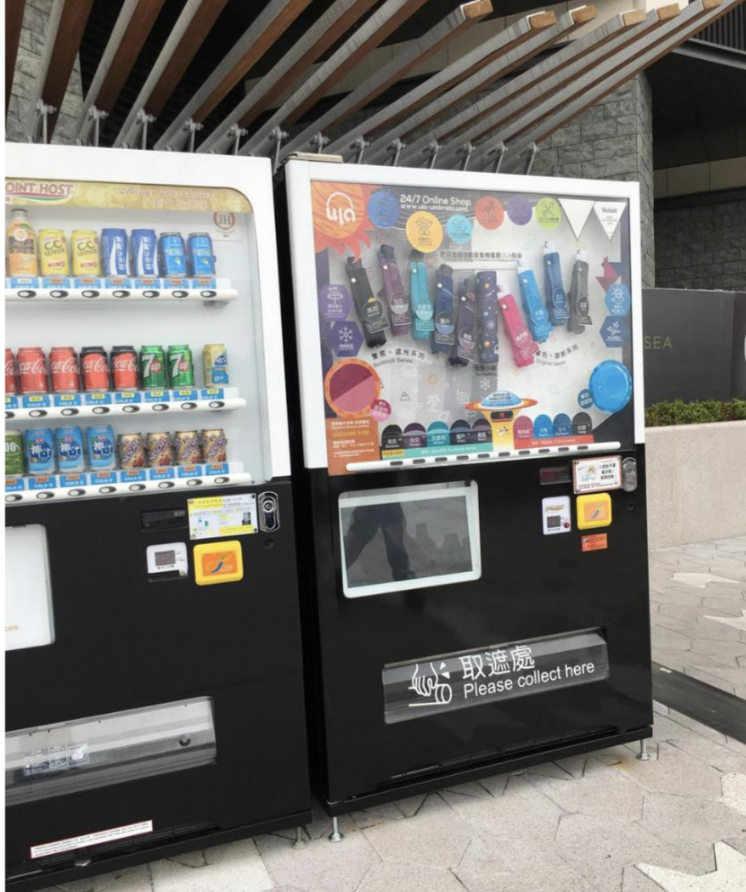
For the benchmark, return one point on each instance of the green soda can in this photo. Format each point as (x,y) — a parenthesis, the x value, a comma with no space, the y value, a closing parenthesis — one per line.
(153,366)
(180,366)
(13,453)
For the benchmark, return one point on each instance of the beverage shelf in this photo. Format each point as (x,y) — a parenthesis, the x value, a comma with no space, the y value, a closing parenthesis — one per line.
(105,291)
(70,407)
(114,484)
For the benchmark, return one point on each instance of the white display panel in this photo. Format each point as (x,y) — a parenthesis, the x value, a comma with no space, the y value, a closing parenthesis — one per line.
(402,538)
(231,201)
(378,390)
(29,617)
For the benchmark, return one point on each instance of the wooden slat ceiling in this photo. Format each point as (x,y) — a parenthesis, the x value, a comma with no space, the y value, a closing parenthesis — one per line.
(13,22)
(198,60)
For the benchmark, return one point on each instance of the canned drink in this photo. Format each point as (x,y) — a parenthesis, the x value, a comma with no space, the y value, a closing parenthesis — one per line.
(153,366)
(64,370)
(32,370)
(172,254)
(215,364)
(180,366)
(70,450)
(14,464)
(187,448)
(143,248)
(11,382)
(95,365)
(200,257)
(131,451)
(114,252)
(214,446)
(85,249)
(39,450)
(53,253)
(159,449)
(124,368)
(101,452)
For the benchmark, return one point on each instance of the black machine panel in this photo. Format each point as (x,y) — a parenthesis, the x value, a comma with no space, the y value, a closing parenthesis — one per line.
(531,587)
(126,639)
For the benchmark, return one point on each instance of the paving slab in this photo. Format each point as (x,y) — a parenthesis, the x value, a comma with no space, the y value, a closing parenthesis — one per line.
(238,865)
(699,626)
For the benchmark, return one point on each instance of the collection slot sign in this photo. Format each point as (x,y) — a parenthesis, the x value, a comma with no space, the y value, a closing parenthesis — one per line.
(499,672)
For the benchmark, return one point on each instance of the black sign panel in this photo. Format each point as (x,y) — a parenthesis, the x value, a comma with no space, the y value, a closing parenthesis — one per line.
(688,342)
(448,682)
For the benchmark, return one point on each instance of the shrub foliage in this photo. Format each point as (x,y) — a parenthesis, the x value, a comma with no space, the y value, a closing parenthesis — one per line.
(698,412)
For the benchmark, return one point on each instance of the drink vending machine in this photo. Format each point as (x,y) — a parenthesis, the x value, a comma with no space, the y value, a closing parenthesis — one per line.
(154,678)
(469,351)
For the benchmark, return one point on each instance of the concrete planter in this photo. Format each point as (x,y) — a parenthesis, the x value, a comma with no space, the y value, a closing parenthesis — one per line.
(696,482)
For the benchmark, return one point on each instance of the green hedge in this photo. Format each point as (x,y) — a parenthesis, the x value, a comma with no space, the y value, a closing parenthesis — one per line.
(698,412)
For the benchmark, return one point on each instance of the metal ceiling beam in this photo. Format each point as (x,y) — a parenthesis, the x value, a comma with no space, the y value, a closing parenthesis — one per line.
(519,92)
(380,150)
(130,32)
(516,98)
(186,37)
(327,29)
(263,32)
(373,32)
(572,101)
(511,38)
(13,24)
(458,21)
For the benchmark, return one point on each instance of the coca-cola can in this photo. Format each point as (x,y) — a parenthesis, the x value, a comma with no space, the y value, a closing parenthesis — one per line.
(11,384)
(32,370)
(65,370)
(95,364)
(124,368)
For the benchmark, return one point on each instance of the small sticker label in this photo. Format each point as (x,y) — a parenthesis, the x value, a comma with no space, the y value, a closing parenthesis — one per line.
(597,474)
(595,542)
(219,516)
(91,839)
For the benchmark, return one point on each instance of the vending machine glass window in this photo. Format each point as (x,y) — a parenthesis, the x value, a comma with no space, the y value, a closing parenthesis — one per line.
(409,537)
(108,749)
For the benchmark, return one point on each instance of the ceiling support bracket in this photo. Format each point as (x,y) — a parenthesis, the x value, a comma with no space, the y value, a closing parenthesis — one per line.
(395,148)
(431,153)
(236,133)
(496,155)
(465,152)
(319,142)
(40,128)
(144,118)
(277,136)
(359,146)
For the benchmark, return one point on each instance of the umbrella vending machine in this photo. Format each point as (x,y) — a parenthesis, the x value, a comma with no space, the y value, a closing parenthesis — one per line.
(470,366)
(154,678)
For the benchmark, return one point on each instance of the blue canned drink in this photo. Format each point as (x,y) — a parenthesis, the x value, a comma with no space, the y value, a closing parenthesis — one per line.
(143,248)
(200,259)
(172,254)
(39,448)
(114,252)
(101,447)
(70,450)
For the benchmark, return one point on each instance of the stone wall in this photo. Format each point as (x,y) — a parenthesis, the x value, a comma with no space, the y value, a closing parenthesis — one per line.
(28,67)
(696,484)
(702,247)
(613,140)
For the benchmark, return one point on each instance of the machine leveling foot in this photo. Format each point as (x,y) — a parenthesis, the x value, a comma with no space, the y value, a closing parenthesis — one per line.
(643,755)
(299,843)
(336,835)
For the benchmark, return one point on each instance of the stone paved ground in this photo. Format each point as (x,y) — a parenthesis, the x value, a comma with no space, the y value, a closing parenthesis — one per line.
(604,822)
(698,611)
